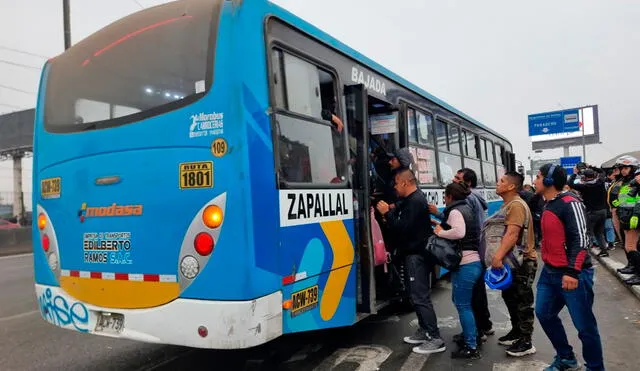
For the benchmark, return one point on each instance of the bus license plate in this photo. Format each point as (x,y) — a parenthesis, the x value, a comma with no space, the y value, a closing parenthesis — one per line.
(304,300)
(112,323)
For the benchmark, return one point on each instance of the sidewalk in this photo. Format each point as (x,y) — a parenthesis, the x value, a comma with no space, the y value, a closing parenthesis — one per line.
(614,261)
(15,249)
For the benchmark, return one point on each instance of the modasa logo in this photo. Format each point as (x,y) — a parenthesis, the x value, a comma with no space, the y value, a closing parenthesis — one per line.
(106,211)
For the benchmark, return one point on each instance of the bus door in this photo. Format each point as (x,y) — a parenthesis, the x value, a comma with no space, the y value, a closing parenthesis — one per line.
(357,123)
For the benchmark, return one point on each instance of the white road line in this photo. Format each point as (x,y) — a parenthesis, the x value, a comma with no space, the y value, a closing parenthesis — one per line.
(414,362)
(21,315)
(15,256)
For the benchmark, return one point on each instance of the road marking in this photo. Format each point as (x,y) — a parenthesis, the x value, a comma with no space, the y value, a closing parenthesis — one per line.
(414,362)
(15,256)
(21,315)
(520,366)
(368,357)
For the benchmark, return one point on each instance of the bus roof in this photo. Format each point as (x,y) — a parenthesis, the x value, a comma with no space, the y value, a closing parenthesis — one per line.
(328,39)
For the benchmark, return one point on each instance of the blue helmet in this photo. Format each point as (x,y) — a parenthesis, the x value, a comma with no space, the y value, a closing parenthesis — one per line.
(498,279)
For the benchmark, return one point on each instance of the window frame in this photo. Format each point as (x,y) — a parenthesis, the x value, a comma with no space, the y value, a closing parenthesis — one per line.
(448,123)
(214,21)
(492,161)
(276,110)
(426,112)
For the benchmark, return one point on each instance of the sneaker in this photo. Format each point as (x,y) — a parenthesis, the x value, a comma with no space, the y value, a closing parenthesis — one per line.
(634,280)
(509,338)
(432,345)
(521,348)
(482,336)
(560,364)
(627,270)
(459,340)
(466,353)
(418,338)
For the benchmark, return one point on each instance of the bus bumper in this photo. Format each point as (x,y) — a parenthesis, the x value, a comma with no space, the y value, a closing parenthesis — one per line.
(185,322)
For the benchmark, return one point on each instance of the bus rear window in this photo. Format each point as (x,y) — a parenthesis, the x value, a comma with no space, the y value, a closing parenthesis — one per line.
(148,63)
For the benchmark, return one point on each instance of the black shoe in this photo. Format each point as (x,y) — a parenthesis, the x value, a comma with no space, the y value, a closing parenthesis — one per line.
(521,348)
(603,253)
(466,353)
(459,340)
(510,338)
(634,280)
(482,336)
(627,270)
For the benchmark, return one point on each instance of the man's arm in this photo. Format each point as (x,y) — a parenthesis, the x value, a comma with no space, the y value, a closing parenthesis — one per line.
(577,237)
(402,222)
(514,220)
(509,240)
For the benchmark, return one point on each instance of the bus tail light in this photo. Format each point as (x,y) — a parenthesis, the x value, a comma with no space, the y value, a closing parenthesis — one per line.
(201,240)
(203,331)
(48,240)
(189,267)
(42,221)
(212,216)
(45,243)
(203,244)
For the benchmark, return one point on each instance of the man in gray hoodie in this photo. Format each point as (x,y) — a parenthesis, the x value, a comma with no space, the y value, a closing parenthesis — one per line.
(479,302)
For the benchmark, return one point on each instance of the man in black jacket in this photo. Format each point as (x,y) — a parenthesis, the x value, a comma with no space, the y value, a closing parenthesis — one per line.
(594,196)
(410,223)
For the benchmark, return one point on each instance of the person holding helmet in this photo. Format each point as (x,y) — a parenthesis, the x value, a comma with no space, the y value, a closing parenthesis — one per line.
(628,210)
(567,275)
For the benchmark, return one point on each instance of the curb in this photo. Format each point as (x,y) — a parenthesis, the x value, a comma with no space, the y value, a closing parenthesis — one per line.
(613,266)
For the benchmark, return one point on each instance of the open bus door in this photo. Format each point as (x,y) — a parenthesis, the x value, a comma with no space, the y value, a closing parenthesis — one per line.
(357,121)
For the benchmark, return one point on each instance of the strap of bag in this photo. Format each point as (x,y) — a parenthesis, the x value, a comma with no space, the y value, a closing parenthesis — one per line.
(526,219)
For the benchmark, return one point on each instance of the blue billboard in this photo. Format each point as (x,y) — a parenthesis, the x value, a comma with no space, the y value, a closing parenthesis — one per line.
(556,122)
(569,163)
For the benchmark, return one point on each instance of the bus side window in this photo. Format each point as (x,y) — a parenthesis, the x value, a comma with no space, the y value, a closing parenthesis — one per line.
(311,150)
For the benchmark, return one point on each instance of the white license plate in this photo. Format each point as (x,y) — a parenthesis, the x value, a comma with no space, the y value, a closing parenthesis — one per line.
(112,323)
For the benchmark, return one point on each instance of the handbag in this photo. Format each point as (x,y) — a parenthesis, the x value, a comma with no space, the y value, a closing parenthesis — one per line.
(380,254)
(447,253)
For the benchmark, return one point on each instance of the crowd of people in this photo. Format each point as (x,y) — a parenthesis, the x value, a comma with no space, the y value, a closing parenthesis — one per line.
(558,219)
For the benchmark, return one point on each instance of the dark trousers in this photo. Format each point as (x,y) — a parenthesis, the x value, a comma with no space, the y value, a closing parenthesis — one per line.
(480,306)
(418,281)
(551,298)
(519,299)
(595,221)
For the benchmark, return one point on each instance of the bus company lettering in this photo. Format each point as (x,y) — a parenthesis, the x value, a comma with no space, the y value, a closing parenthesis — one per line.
(314,206)
(206,124)
(370,82)
(113,210)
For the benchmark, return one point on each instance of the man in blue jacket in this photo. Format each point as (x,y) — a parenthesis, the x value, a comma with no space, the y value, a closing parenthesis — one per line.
(567,276)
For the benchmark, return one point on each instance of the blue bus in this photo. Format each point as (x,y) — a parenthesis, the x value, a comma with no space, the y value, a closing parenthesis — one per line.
(191,188)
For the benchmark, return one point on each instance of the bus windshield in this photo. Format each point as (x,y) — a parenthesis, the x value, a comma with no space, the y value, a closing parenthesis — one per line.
(143,65)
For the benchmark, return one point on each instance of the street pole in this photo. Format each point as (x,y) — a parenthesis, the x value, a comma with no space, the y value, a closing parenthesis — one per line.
(584,150)
(67,24)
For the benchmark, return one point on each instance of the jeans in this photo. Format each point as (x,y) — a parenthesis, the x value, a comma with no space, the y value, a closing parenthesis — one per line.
(596,220)
(609,231)
(463,280)
(480,306)
(417,280)
(519,299)
(550,300)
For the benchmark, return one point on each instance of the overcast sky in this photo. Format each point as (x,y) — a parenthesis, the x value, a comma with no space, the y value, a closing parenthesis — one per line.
(496,60)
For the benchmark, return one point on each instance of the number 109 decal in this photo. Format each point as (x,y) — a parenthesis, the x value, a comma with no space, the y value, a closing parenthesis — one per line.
(196,175)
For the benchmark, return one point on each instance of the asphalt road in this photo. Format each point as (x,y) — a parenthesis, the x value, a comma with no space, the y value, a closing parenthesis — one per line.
(29,343)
